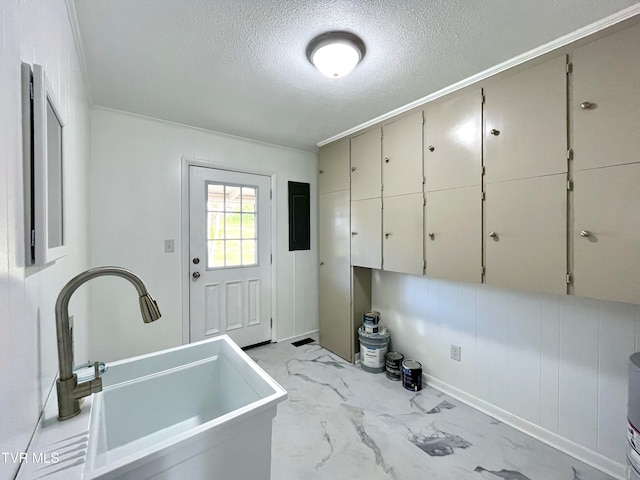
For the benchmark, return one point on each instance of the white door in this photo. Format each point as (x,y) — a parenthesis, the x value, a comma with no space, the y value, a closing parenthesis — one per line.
(229,255)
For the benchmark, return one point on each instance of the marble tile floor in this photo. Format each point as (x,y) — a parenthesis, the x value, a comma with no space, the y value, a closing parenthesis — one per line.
(340,422)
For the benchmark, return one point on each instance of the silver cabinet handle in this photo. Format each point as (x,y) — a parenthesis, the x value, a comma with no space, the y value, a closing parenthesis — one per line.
(585,233)
(386,235)
(386,159)
(196,275)
(493,234)
(495,132)
(353,234)
(431,148)
(353,169)
(432,235)
(587,105)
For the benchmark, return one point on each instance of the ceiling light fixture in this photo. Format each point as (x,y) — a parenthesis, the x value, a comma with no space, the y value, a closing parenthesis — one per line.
(336,53)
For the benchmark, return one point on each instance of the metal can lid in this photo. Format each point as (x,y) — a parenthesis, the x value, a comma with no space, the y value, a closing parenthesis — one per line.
(411,365)
(395,356)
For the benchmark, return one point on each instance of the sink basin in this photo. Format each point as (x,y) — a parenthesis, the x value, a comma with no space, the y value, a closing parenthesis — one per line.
(196,411)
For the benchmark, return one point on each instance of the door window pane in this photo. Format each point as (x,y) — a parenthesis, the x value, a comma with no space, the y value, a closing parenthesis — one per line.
(232,226)
(248,252)
(248,199)
(215,254)
(248,225)
(232,219)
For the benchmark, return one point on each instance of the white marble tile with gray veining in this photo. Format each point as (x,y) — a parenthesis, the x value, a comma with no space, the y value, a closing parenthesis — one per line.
(341,422)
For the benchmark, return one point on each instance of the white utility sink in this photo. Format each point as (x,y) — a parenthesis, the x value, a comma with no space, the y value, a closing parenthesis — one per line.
(201,411)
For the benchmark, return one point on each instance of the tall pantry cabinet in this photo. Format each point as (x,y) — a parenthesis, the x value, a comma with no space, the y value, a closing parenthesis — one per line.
(343,290)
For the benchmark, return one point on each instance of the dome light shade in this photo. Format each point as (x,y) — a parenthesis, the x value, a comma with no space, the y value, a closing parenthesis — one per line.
(335,54)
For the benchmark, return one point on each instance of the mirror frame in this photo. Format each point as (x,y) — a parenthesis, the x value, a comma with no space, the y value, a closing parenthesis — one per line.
(40,170)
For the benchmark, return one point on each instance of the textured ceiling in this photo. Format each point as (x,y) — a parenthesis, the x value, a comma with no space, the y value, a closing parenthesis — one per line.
(239,66)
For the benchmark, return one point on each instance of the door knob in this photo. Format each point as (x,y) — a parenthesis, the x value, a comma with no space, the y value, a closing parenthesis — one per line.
(386,159)
(431,148)
(196,275)
(321,172)
(432,236)
(386,235)
(353,169)
(493,234)
(321,263)
(585,233)
(196,260)
(587,105)
(353,234)
(495,132)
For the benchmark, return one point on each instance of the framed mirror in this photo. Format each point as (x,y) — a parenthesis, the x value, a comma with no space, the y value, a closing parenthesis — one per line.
(43,136)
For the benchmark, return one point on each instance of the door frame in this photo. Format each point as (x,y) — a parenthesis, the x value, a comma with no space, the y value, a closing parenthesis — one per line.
(188,162)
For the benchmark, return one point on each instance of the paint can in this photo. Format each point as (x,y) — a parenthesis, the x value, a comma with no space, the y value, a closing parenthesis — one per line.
(373,350)
(412,375)
(393,365)
(371,322)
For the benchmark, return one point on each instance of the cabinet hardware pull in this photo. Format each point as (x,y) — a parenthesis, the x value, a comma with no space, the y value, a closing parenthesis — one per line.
(196,275)
(386,159)
(495,132)
(493,234)
(585,233)
(431,148)
(321,172)
(196,261)
(353,169)
(321,263)
(353,234)
(432,236)
(587,105)
(386,235)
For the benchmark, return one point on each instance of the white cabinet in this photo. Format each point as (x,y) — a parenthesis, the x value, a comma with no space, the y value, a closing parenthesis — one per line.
(606,233)
(453,230)
(606,101)
(402,156)
(526,234)
(525,115)
(402,243)
(333,167)
(366,233)
(453,142)
(366,170)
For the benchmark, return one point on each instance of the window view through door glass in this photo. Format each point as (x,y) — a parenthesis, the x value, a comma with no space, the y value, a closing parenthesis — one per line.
(232,234)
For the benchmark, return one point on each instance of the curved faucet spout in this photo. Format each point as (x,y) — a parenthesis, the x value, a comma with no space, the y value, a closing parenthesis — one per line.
(68,391)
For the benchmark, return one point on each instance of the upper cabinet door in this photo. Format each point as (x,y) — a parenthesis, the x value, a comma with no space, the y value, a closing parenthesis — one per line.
(402,156)
(526,234)
(606,233)
(525,131)
(453,142)
(606,101)
(366,173)
(453,229)
(333,167)
(366,231)
(402,243)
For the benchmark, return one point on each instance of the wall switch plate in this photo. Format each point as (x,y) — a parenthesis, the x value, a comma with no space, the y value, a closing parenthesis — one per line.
(456,352)
(169,246)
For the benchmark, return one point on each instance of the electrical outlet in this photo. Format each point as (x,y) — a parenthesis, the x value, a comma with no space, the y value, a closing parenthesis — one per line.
(456,352)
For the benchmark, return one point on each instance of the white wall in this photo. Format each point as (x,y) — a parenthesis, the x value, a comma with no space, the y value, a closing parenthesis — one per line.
(37,31)
(136,203)
(557,362)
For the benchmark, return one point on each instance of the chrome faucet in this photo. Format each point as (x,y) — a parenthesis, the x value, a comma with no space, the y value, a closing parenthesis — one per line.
(69,391)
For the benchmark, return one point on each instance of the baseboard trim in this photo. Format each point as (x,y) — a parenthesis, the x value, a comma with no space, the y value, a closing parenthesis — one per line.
(594,459)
